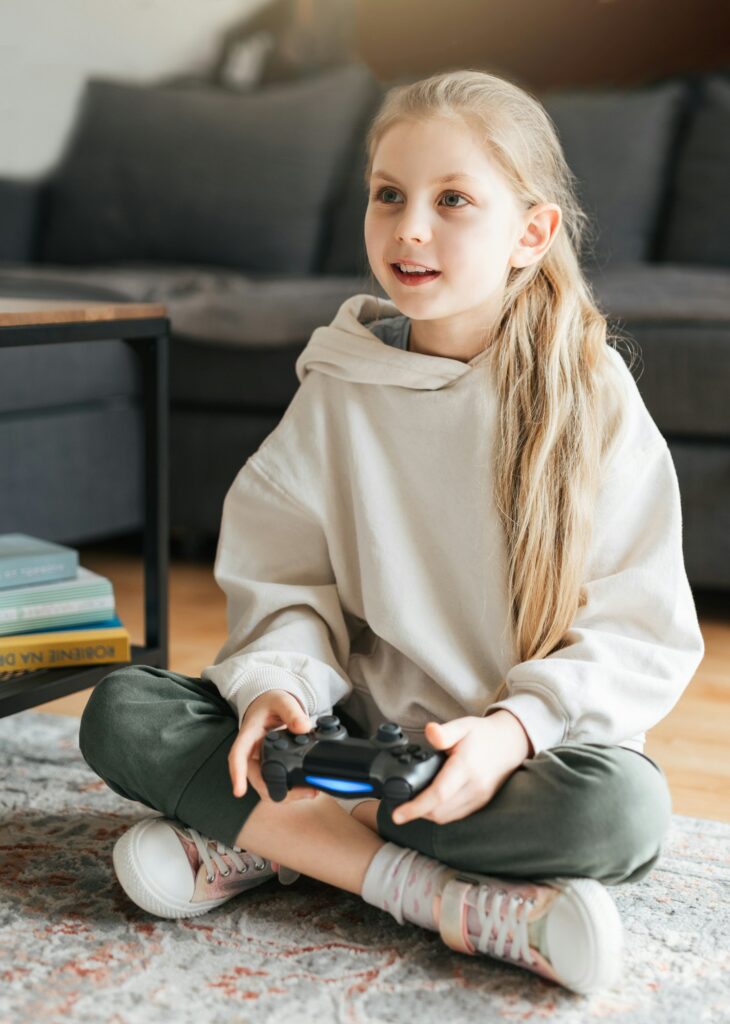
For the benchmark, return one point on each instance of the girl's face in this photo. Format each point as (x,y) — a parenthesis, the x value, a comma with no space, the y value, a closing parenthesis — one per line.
(467,229)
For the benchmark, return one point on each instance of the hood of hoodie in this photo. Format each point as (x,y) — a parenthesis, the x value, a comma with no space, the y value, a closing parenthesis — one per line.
(348,349)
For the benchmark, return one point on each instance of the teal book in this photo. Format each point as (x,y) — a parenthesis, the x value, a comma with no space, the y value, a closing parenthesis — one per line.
(114,622)
(28,560)
(48,606)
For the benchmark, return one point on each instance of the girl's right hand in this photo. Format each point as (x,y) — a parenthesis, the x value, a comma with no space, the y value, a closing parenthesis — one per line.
(271,710)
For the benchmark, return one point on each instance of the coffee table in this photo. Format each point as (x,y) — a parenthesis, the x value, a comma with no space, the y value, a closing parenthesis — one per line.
(145,328)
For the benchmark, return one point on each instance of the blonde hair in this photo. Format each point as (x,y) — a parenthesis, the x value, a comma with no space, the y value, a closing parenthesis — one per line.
(553,373)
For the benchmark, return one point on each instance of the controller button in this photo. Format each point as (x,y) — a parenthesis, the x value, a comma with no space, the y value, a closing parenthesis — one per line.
(328,723)
(273,734)
(413,748)
(281,745)
(405,758)
(301,739)
(387,732)
(423,756)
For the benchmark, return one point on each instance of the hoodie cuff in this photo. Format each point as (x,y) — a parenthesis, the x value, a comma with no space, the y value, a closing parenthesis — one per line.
(545,726)
(269,677)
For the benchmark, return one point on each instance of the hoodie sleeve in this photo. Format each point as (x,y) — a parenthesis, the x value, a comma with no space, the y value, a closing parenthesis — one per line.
(634,647)
(286,627)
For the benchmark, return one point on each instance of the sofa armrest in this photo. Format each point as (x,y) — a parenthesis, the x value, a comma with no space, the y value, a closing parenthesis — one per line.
(20,207)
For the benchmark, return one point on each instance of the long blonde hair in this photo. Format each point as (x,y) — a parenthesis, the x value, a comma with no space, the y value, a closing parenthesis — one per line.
(553,374)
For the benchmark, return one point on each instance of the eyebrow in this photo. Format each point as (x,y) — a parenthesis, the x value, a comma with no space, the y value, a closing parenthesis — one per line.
(453,176)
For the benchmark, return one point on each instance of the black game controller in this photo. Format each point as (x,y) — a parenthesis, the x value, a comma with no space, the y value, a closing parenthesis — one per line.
(327,758)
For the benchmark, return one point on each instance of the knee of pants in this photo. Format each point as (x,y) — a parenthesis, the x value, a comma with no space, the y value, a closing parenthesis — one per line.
(621,814)
(101,731)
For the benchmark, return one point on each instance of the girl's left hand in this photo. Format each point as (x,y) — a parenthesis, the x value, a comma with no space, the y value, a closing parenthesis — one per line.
(482,754)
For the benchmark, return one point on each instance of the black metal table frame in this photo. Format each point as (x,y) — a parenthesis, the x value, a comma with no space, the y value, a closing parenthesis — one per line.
(149,338)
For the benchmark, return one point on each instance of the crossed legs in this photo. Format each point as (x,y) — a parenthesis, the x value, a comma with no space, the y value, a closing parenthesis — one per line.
(316,837)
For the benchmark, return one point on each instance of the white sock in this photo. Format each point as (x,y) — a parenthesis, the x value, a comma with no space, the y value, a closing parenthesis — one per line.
(404,882)
(424,878)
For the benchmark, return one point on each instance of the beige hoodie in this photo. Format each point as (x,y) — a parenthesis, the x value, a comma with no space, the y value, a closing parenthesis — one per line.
(363,559)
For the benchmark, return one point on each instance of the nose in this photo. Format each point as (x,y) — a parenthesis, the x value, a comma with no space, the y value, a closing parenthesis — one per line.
(413,225)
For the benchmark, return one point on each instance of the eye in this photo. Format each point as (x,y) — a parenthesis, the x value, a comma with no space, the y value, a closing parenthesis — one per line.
(455,195)
(378,193)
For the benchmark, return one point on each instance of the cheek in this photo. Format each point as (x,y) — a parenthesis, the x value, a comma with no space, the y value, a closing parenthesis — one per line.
(373,235)
(479,256)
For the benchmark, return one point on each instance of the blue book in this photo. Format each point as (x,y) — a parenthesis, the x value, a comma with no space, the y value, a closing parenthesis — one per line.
(87,598)
(26,560)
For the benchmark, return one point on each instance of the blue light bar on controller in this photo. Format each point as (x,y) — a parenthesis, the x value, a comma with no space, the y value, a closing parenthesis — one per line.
(339,785)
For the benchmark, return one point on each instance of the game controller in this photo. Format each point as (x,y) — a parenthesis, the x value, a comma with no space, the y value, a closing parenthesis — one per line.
(386,766)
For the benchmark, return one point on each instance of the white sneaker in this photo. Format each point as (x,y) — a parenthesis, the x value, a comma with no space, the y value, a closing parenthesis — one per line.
(171,870)
(565,929)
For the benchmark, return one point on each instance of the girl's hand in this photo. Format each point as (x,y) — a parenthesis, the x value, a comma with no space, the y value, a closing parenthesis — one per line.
(269,710)
(482,754)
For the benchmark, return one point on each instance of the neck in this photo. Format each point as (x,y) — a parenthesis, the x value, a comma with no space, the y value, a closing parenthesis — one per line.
(461,336)
(433,343)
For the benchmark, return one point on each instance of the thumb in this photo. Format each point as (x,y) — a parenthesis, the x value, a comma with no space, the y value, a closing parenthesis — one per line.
(443,735)
(296,719)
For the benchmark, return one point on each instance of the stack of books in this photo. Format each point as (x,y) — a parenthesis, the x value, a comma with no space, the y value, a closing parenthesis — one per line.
(53,612)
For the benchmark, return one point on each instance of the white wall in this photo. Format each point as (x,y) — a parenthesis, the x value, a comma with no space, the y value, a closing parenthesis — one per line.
(49,47)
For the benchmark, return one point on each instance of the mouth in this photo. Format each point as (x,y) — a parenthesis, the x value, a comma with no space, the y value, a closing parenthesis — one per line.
(416,277)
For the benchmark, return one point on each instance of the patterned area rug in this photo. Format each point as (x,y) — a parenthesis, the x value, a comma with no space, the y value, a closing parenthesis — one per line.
(74,948)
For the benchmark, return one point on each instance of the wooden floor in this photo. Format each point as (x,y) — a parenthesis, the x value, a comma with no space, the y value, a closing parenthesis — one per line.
(691,743)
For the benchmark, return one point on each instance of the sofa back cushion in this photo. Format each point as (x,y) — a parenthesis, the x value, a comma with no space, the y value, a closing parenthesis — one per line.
(202,175)
(698,221)
(344,248)
(618,143)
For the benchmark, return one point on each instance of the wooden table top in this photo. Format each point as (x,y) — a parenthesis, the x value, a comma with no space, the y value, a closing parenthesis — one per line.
(19,312)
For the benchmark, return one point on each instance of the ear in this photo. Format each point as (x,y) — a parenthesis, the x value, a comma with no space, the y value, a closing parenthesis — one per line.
(539,228)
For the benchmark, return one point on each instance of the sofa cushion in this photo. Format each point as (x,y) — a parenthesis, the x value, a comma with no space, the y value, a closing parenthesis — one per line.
(74,473)
(222,306)
(236,337)
(216,316)
(79,373)
(698,226)
(204,175)
(660,292)
(617,142)
(680,319)
(344,244)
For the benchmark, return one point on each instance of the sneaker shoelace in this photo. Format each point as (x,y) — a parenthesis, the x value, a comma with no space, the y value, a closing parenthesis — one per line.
(513,926)
(210,850)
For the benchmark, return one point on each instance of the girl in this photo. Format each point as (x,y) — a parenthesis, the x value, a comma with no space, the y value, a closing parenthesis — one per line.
(467,523)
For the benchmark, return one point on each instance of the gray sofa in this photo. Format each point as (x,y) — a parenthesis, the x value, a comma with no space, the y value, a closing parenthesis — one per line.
(243,214)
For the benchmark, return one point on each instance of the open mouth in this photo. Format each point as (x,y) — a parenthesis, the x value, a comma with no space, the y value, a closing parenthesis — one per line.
(415,277)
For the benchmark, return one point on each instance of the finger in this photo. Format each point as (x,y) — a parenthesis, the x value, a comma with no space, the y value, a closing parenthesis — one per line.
(462,808)
(240,754)
(442,790)
(444,735)
(257,780)
(444,812)
(447,813)
(467,801)
(296,719)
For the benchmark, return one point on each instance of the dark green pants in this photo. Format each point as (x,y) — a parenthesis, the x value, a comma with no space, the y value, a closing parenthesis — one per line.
(575,810)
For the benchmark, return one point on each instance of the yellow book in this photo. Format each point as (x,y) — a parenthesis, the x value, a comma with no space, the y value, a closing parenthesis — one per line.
(64,648)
